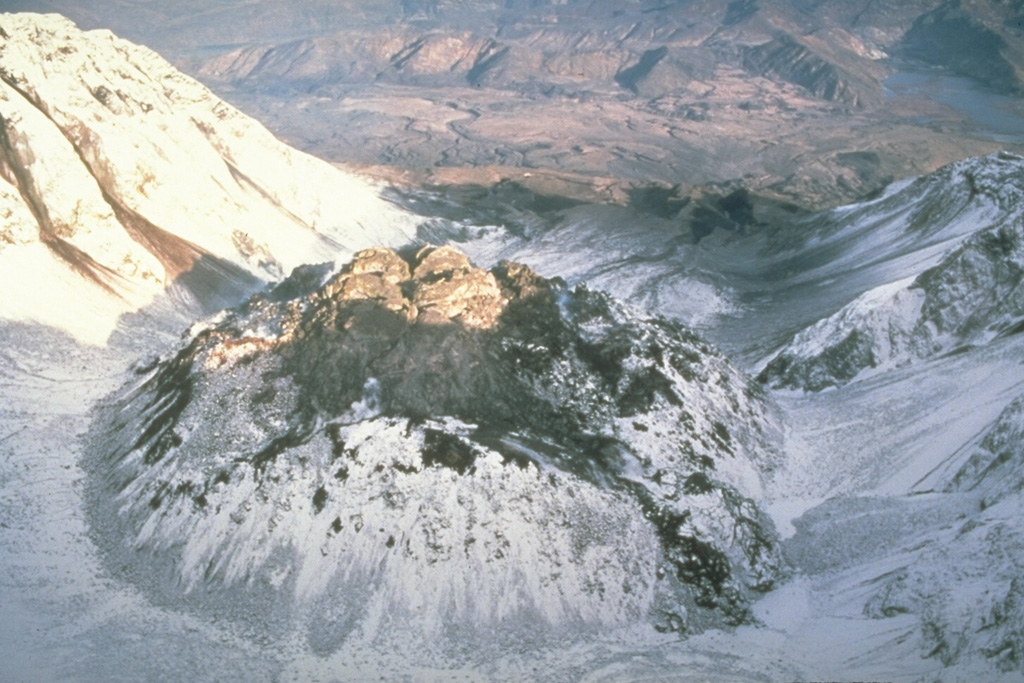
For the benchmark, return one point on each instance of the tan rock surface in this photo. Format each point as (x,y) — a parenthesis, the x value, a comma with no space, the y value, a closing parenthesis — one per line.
(442,287)
(446,283)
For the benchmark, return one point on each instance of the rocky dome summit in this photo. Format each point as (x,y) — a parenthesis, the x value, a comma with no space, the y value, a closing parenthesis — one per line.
(452,446)
(442,286)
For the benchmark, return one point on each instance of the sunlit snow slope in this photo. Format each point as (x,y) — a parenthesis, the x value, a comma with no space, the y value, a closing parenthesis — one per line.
(120,176)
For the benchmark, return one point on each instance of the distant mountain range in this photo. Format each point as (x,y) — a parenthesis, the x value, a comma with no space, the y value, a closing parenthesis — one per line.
(814,40)
(786,98)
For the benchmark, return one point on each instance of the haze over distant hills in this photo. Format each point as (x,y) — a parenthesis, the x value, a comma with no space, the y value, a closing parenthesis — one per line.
(792,100)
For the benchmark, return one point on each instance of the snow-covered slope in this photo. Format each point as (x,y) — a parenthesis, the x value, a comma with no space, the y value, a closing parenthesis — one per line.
(119,176)
(971,296)
(965,585)
(749,289)
(422,449)
(914,457)
(993,465)
(913,221)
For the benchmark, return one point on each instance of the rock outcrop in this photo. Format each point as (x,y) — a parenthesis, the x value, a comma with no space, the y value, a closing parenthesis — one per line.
(475,453)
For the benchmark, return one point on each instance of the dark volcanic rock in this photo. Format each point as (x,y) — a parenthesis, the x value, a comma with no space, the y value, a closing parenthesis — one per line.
(417,430)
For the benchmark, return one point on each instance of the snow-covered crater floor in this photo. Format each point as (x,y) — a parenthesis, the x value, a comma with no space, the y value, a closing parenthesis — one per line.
(69,618)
